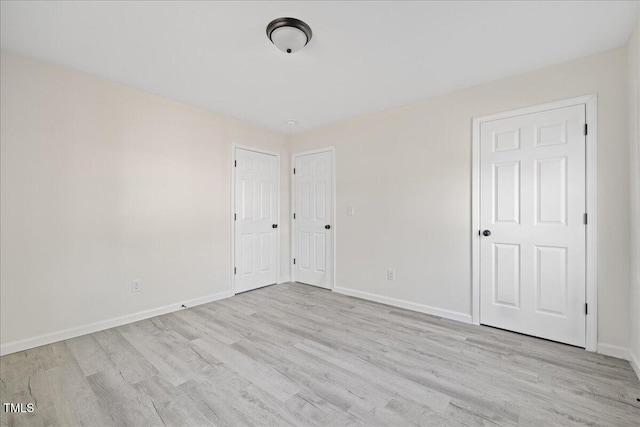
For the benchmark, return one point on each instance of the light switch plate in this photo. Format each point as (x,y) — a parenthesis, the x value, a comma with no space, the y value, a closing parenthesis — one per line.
(350,211)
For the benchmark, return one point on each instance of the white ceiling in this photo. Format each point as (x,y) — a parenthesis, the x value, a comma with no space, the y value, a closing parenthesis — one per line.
(364,56)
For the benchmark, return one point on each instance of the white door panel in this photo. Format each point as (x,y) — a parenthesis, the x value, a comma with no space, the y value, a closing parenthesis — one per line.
(256,210)
(532,198)
(313,211)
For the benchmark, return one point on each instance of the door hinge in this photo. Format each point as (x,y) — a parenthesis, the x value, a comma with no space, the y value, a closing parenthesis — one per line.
(294,171)
(586,129)
(586,308)
(584,219)
(235,217)
(294,216)
(294,261)
(234,270)
(235,163)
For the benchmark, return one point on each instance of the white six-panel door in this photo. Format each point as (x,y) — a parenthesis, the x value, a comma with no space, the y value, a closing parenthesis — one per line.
(256,210)
(313,219)
(532,202)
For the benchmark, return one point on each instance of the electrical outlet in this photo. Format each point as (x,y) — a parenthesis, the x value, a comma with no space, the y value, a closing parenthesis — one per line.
(391,274)
(135,286)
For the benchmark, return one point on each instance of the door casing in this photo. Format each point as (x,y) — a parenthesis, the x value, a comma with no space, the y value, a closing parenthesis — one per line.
(591,104)
(235,146)
(334,225)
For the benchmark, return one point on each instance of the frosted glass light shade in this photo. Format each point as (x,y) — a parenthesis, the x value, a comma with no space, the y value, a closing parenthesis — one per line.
(288,39)
(289,34)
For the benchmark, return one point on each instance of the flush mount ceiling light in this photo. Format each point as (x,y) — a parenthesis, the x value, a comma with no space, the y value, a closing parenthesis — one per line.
(289,34)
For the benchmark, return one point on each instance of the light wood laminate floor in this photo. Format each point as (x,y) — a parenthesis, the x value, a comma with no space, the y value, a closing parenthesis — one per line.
(295,355)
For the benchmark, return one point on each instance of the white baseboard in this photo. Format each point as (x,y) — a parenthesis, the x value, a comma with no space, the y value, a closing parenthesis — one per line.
(284,279)
(613,351)
(635,363)
(448,314)
(25,344)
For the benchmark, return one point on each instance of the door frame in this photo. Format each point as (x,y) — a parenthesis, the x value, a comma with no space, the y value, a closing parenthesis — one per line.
(234,147)
(591,109)
(332,150)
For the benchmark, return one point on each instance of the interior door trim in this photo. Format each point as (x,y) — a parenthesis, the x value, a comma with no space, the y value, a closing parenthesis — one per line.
(591,107)
(234,147)
(334,224)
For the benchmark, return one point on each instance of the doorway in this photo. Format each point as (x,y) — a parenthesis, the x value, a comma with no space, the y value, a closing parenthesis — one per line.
(256,205)
(534,216)
(313,230)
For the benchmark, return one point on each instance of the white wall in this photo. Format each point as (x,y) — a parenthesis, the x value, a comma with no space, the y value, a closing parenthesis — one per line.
(634,192)
(407,172)
(103,184)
